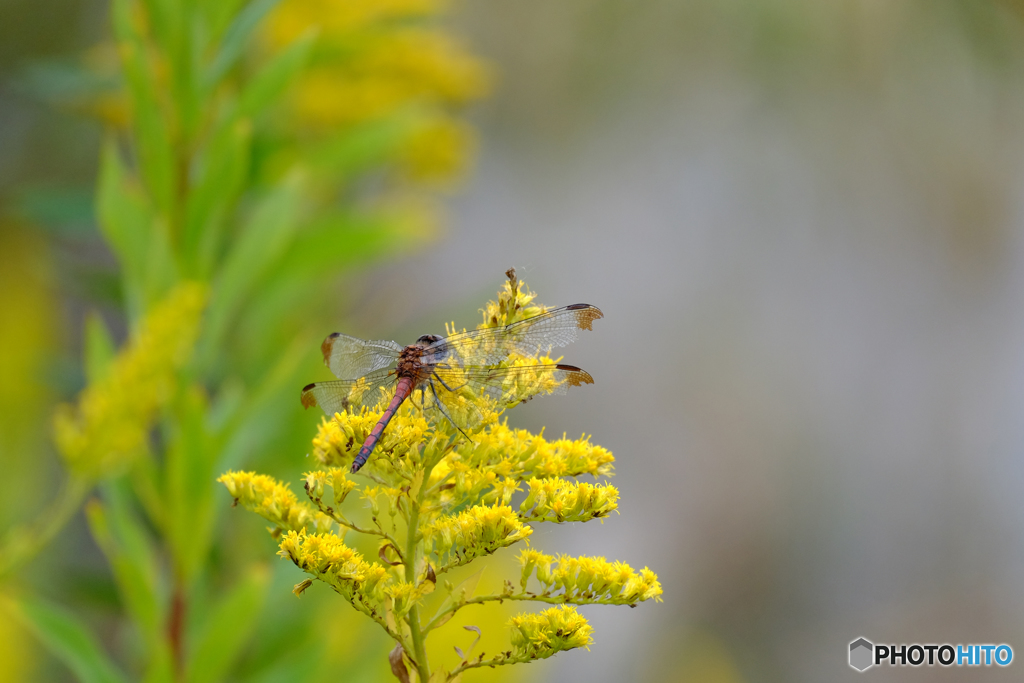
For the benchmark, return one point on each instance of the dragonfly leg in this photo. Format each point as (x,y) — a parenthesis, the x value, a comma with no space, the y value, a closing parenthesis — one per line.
(440,406)
(445,384)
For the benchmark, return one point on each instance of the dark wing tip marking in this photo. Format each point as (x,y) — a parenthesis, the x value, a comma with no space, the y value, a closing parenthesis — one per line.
(586,316)
(575,376)
(328,344)
(308,399)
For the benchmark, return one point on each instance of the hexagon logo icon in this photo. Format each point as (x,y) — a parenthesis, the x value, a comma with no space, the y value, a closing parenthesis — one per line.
(862,654)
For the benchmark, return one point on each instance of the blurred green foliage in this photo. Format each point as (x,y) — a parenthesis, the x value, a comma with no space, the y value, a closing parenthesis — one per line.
(211,183)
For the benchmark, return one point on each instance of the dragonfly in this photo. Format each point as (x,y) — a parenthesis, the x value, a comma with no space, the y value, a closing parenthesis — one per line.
(451,374)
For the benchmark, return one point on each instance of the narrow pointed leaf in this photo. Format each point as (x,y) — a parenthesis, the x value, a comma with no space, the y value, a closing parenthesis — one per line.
(69,640)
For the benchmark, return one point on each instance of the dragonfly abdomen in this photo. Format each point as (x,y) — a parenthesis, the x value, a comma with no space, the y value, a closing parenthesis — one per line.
(402,391)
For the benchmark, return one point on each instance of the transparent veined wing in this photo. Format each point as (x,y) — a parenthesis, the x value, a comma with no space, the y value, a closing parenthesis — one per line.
(500,387)
(349,357)
(336,396)
(528,338)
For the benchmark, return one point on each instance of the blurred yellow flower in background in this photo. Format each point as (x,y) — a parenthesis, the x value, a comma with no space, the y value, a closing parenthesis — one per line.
(113,416)
(375,60)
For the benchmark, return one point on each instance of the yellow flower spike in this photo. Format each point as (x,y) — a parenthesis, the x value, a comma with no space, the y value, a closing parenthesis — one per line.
(526,455)
(474,532)
(538,636)
(559,500)
(327,558)
(273,501)
(113,416)
(592,579)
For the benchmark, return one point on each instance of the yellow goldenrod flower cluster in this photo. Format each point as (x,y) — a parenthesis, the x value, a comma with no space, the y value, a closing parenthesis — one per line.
(113,416)
(519,454)
(326,557)
(515,303)
(540,635)
(583,580)
(440,497)
(274,502)
(477,531)
(559,500)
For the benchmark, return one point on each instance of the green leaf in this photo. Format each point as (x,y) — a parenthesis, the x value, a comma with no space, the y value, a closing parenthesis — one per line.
(125,219)
(265,238)
(341,239)
(235,39)
(69,640)
(364,145)
(161,268)
(218,15)
(160,667)
(263,415)
(99,348)
(190,485)
(152,134)
(220,182)
(269,84)
(227,629)
(131,556)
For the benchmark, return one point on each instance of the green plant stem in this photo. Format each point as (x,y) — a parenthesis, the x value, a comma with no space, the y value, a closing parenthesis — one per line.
(497,661)
(530,597)
(412,532)
(23,543)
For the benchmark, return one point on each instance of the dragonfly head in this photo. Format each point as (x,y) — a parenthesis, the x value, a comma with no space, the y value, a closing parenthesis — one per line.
(428,339)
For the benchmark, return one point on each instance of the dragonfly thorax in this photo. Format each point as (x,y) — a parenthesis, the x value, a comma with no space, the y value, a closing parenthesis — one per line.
(411,362)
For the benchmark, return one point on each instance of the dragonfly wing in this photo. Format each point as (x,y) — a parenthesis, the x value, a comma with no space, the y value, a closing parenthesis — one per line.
(502,387)
(528,338)
(337,396)
(443,400)
(349,357)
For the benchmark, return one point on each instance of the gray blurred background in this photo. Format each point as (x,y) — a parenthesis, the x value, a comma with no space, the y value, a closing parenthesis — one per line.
(804,221)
